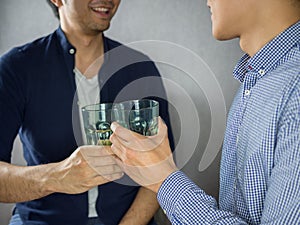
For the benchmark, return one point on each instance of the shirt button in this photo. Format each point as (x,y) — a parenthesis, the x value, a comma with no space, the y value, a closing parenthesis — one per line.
(261,72)
(165,212)
(72,51)
(247,92)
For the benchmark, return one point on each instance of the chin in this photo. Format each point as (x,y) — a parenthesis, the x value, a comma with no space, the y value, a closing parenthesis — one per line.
(107,27)
(99,28)
(221,36)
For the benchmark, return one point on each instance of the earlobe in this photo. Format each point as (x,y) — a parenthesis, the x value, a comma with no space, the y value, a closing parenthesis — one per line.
(57,3)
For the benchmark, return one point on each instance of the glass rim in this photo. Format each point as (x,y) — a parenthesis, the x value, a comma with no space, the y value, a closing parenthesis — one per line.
(98,107)
(126,104)
(130,103)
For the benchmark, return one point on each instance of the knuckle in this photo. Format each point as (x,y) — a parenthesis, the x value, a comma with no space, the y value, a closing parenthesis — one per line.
(90,183)
(130,155)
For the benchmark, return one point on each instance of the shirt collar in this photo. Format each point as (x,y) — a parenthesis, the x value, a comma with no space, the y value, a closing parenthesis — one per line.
(67,46)
(63,41)
(268,58)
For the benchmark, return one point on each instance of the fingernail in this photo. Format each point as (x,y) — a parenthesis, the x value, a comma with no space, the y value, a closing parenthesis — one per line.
(113,126)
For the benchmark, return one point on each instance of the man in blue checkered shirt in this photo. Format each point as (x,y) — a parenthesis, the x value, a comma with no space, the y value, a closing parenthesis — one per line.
(260,168)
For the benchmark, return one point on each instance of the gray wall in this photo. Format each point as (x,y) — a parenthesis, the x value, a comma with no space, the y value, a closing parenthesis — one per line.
(197,70)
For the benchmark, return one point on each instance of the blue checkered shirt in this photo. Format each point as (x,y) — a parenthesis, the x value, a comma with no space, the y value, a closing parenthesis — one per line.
(260,167)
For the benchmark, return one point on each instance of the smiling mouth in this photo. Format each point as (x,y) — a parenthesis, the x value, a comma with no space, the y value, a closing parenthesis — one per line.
(101,10)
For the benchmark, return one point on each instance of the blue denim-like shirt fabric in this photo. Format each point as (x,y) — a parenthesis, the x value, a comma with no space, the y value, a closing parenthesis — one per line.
(38,101)
(260,166)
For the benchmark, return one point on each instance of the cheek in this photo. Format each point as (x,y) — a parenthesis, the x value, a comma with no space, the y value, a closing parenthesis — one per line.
(217,24)
(116,3)
(224,22)
(115,9)
(222,29)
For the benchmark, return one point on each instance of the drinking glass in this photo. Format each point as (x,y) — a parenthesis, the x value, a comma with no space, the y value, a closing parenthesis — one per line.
(140,116)
(97,119)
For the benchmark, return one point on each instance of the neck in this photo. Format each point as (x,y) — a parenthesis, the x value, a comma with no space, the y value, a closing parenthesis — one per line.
(267,27)
(89,51)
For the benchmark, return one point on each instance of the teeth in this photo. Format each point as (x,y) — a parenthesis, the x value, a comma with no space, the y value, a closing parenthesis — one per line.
(101,9)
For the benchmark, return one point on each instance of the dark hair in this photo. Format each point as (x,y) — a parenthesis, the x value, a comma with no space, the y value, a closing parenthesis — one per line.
(54,8)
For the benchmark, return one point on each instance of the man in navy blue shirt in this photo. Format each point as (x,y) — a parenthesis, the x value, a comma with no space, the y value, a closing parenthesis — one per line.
(38,100)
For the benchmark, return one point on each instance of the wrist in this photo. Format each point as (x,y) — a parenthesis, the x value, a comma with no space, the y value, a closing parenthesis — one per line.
(155,187)
(49,182)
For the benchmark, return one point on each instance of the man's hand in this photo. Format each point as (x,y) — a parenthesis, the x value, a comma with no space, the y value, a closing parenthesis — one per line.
(86,168)
(147,160)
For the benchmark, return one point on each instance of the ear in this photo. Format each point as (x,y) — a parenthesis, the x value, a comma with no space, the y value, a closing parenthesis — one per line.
(57,3)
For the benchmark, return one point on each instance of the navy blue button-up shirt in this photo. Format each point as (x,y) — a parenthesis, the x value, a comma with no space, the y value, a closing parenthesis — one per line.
(38,101)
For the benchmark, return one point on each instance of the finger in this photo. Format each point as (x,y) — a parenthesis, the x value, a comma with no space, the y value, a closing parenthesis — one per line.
(127,134)
(94,150)
(133,141)
(108,150)
(110,169)
(123,133)
(107,170)
(162,129)
(97,156)
(121,164)
(137,142)
(100,161)
(118,150)
(113,177)
(154,141)
(107,178)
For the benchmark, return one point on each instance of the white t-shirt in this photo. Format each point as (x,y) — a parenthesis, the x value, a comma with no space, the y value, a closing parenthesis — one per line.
(88,92)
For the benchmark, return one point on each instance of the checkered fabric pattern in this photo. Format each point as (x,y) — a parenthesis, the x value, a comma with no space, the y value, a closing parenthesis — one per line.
(260,167)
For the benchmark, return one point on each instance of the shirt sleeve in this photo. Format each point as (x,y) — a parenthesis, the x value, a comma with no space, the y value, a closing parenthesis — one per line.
(185,203)
(282,202)
(11,107)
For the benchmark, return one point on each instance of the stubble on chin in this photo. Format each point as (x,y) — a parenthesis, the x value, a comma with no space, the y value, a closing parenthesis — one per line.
(97,28)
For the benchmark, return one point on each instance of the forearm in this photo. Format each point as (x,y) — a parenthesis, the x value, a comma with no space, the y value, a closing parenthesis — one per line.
(182,200)
(23,183)
(142,209)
